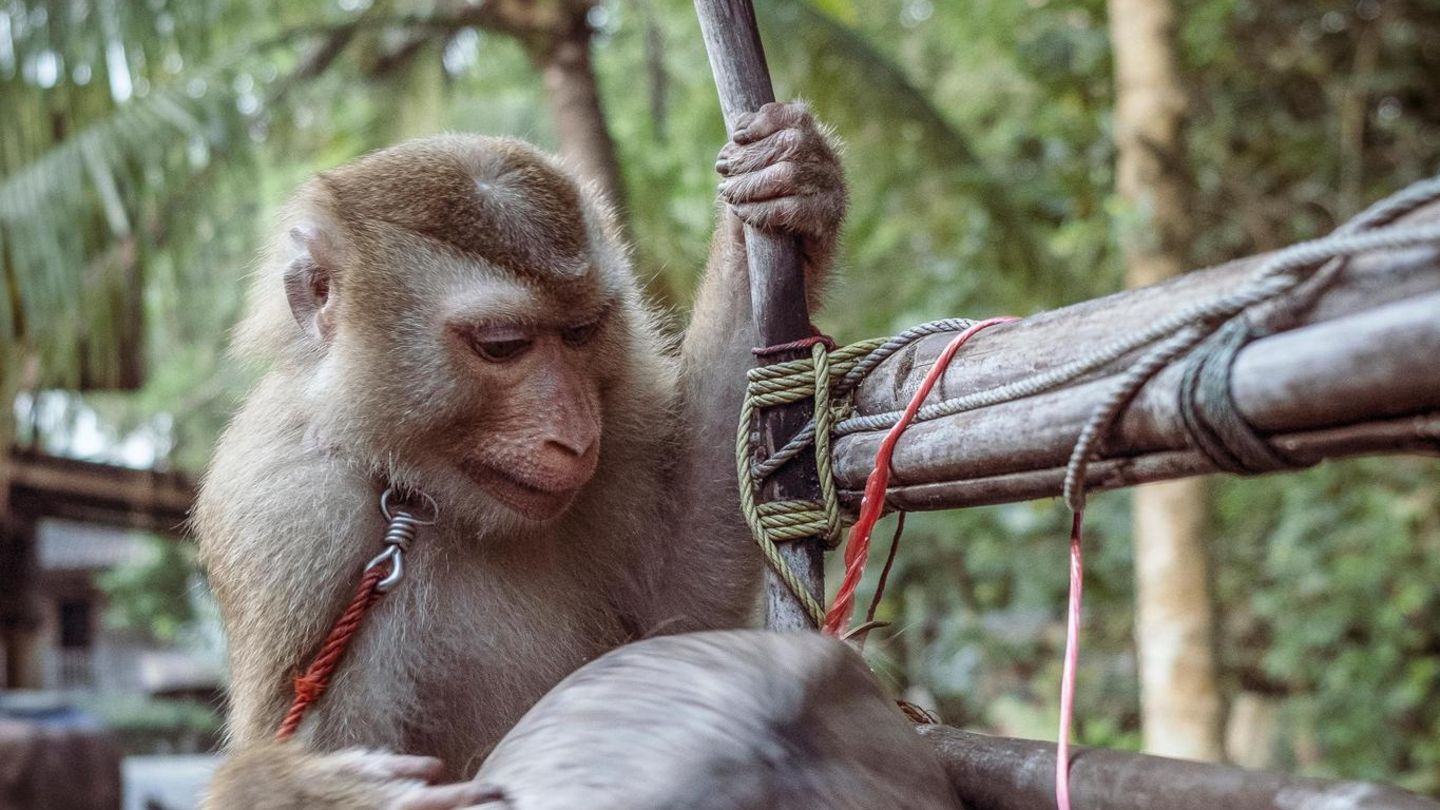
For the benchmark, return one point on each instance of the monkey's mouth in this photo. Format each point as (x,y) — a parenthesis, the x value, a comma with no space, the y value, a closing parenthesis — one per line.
(530,500)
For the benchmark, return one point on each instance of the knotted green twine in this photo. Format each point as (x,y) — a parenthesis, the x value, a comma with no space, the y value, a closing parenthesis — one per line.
(775,522)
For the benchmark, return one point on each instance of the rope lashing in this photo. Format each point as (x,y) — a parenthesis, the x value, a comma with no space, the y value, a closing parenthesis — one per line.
(883,349)
(774,522)
(1179,333)
(1207,406)
(828,378)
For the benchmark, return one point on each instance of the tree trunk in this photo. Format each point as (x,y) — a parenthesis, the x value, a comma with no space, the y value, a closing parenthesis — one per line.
(1252,731)
(1174,628)
(570,86)
(1174,622)
(418,88)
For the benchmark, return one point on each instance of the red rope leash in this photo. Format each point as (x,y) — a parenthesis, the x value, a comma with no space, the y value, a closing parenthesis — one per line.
(311,685)
(857,546)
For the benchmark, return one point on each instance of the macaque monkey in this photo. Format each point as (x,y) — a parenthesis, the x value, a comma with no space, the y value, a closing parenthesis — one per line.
(723,720)
(456,317)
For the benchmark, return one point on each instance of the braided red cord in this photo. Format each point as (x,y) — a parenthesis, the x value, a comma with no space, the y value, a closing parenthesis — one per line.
(857,546)
(803,343)
(311,685)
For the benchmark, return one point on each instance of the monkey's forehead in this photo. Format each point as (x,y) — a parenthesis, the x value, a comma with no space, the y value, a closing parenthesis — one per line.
(497,200)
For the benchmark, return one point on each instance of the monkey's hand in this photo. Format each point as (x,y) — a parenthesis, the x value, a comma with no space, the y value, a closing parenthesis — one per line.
(782,175)
(286,777)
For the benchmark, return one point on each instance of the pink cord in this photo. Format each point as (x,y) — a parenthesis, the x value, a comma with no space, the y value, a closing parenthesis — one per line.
(1072,659)
(857,544)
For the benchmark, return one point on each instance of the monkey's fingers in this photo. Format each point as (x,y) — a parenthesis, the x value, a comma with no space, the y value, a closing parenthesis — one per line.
(383,766)
(810,216)
(787,144)
(788,179)
(772,117)
(452,797)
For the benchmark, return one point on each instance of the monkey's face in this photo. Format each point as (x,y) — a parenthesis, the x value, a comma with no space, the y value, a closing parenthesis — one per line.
(531,373)
(468,310)
(484,390)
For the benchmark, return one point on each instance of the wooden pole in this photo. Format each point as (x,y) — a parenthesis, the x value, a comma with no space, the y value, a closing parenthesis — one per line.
(777,295)
(1045,340)
(998,773)
(1356,377)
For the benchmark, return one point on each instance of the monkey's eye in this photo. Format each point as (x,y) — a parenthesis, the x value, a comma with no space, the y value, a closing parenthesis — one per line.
(500,347)
(580,335)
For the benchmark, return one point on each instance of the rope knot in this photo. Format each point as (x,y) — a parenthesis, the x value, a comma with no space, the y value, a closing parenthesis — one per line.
(828,378)
(811,378)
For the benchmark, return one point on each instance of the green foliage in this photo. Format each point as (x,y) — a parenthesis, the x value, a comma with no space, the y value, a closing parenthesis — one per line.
(151,596)
(135,715)
(1328,578)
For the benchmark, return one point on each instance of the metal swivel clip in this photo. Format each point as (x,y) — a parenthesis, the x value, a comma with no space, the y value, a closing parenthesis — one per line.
(400,531)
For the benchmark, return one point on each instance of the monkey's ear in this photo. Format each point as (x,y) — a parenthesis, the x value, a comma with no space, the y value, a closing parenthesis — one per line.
(309,281)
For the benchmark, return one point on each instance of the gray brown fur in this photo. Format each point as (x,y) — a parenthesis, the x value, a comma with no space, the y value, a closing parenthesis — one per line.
(496,609)
(731,720)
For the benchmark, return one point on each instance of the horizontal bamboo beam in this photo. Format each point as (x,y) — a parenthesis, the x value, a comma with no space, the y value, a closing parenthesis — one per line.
(1047,340)
(1356,375)
(43,486)
(998,773)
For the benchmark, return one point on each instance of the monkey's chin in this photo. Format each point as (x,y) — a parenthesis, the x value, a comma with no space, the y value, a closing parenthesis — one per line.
(530,502)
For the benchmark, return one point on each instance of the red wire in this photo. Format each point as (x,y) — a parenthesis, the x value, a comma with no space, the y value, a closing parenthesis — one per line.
(857,546)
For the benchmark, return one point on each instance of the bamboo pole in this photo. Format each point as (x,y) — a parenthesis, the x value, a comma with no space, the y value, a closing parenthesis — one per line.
(777,295)
(1356,377)
(1045,340)
(998,773)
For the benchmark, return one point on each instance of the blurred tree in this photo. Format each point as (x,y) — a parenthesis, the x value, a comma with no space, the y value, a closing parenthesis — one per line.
(151,595)
(1174,624)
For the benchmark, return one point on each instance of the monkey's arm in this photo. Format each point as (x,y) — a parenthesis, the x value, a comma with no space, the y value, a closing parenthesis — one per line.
(283,776)
(782,175)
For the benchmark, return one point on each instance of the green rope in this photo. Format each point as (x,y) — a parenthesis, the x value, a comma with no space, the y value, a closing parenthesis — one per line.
(775,522)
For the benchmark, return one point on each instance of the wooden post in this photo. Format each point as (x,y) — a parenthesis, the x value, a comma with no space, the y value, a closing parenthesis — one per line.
(1349,372)
(19,620)
(998,773)
(777,294)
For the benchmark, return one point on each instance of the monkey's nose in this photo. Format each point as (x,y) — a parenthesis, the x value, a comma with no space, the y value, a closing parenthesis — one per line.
(572,448)
(568,464)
